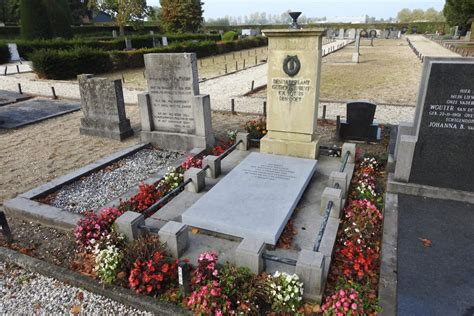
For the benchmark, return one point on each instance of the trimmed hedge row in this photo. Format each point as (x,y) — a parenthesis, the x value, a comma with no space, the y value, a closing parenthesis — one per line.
(144,41)
(4,54)
(67,64)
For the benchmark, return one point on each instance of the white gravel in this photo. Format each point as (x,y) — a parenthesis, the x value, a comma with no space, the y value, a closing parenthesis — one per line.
(105,185)
(26,293)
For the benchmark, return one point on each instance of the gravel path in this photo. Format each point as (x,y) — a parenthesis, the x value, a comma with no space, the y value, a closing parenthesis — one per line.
(101,187)
(26,293)
(429,48)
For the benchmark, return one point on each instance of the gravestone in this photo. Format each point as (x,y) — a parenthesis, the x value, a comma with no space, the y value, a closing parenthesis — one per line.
(436,150)
(128,44)
(103,108)
(164,41)
(152,33)
(330,33)
(294,75)
(173,113)
(33,111)
(341,34)
(360,122)
(156,42)
(356,53)
(114,34)
(7,97)
(414,29)
(14,55)
(255,200)
(456,31)
(363,33)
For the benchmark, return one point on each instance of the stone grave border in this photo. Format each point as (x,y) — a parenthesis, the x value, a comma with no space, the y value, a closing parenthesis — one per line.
(25,205)
(125,296)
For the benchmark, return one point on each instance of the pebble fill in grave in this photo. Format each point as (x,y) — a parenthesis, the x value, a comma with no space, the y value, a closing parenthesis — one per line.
(101,187)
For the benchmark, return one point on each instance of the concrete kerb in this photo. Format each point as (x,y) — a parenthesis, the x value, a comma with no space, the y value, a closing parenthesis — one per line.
(249,254)
(310,268)
(387,290)
(24,206)
(119,294)
(175,236)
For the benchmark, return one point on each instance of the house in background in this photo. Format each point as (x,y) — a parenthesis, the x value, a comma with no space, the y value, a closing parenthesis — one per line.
(96,16)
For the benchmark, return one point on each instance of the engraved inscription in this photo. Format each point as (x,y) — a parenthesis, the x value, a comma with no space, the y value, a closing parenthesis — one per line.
(291,90)
(456,113)
(171,95)
(270,171)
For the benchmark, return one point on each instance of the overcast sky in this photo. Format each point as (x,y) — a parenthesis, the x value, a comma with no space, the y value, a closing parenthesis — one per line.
(313,8)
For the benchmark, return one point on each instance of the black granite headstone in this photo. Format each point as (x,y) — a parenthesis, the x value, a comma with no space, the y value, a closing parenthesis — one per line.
(373,34)
(360,119)
(444,151)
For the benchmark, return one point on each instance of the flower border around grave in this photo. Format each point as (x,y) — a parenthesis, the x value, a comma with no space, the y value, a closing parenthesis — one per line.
(354,273)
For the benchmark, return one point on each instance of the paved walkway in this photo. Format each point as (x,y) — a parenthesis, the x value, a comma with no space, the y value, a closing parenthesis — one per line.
(435,280)
(429,48)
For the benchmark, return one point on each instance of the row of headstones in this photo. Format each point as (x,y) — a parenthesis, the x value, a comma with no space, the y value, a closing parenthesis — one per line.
(173,112)
(156,42)
(371,33)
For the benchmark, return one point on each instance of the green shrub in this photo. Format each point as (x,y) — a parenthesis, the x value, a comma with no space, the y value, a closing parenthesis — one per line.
(62,64)
(34,20)
(229,36)
(4,54)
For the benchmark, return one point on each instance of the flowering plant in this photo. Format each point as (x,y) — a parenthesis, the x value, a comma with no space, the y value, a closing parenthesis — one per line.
(286,291)
(206,269)
(153,276)
(363,221)
(172,179)
(107,258)
(256,128)
(147,195)
(191,162)
(343,302)
(232,136)
(360,261)
(208,299)
(93,227)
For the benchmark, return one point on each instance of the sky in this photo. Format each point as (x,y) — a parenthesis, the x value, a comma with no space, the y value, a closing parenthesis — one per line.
(313,8)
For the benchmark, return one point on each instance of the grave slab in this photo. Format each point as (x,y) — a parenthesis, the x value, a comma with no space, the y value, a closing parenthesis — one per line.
(34,111)
(255,199)
(8,97)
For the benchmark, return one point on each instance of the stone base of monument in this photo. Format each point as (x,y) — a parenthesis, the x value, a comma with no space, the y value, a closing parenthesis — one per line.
(176,141)
(309,150)
(118,131)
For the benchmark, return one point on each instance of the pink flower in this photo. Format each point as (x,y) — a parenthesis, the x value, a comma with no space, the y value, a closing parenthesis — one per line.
(354,306)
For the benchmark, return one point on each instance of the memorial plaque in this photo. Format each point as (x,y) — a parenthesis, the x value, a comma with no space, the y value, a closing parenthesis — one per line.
(255,199)
(444,152)
(173,113)
(7,97)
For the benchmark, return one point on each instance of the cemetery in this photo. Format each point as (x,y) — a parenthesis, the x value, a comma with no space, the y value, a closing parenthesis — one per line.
(303,169)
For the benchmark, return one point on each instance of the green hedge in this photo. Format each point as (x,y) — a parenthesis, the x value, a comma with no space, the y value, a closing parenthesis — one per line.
(4,54)
(67,64)
(145,41)
(62,64)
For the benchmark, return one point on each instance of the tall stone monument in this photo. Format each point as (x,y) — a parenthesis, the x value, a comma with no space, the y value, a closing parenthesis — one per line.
(294,75)
(104,109)
(173,113)
(436,150)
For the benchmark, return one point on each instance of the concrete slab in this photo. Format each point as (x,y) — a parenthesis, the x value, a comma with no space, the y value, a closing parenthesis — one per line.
(436,280)
(34,111)
(7,97)
(256,199)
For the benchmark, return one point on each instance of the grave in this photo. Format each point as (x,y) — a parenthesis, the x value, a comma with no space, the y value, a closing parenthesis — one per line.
(294,75)
(128,44)
(164,41)
(360,122)
(435,151)
(103,107)
(34,111)
(341,34)
(173,113)
(7,97)
(114,33)
(14,54)
(351,33)
(255,200)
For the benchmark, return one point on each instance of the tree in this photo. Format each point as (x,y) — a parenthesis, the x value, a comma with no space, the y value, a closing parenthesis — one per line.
(459,12)
(10,11)
(34,20)
(123,11)
(78,10)
(181,16)
(404,15)
(45,19)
